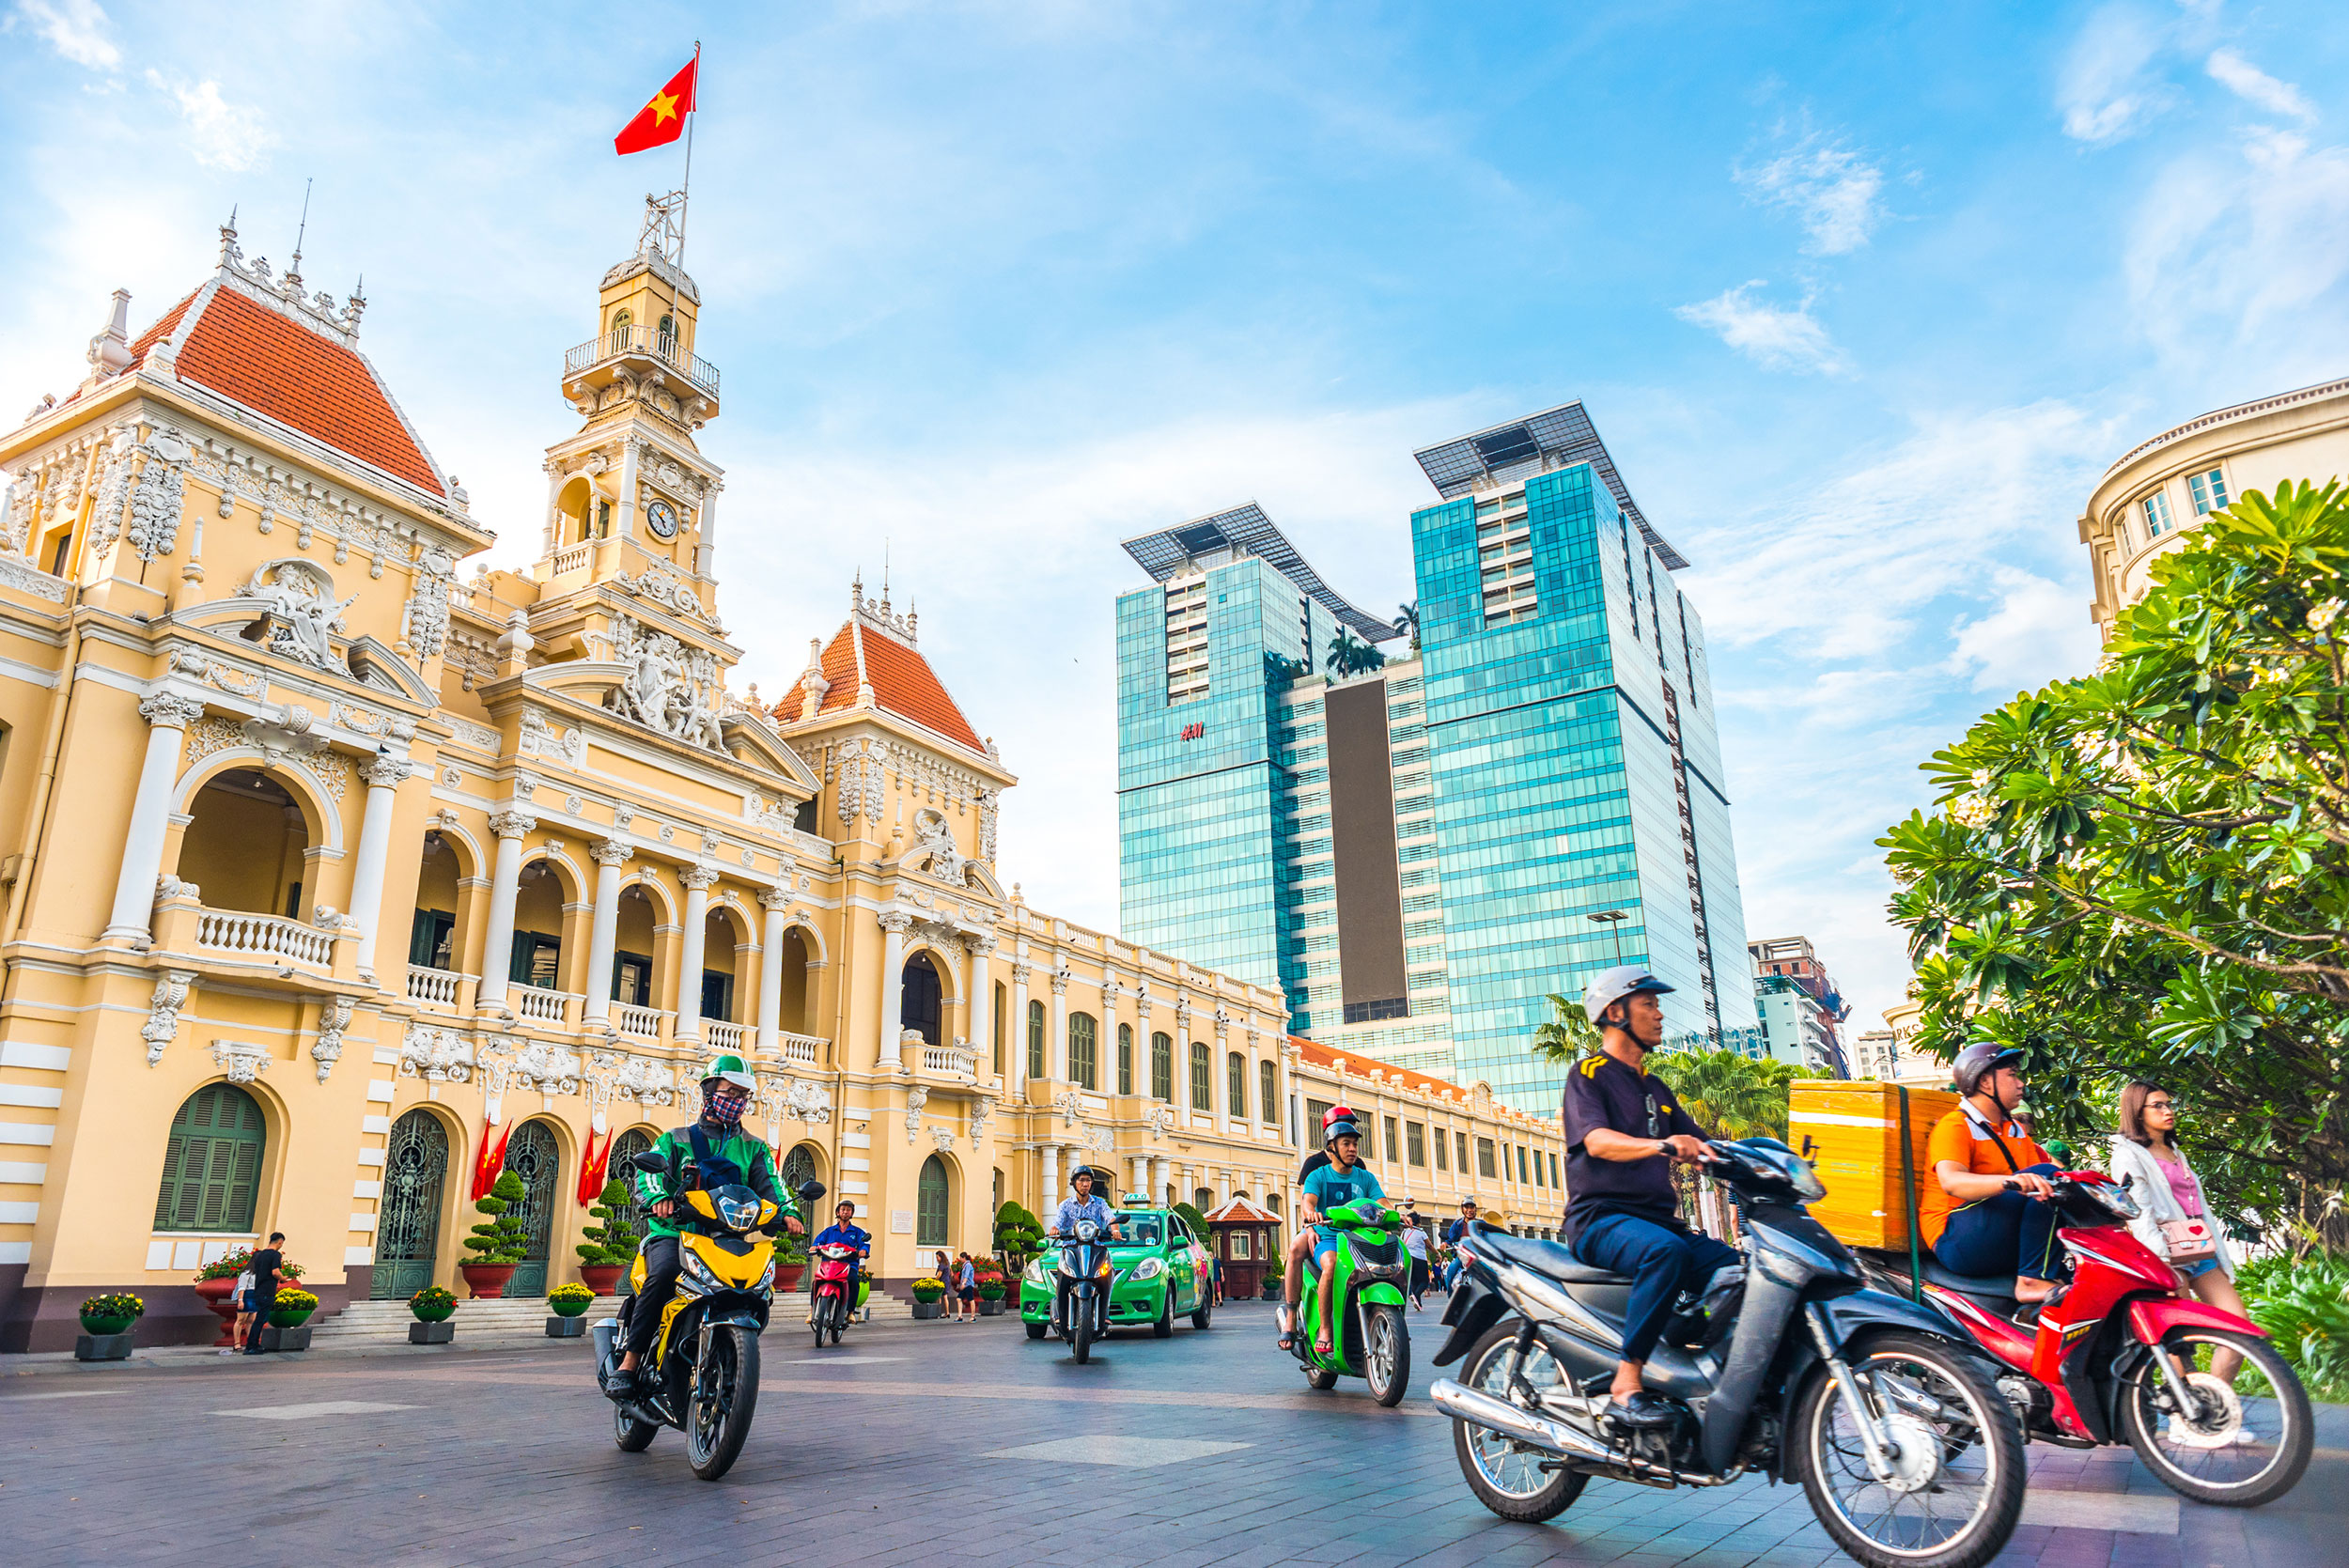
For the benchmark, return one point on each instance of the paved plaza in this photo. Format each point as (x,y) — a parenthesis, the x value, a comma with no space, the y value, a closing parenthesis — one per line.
(933,1443)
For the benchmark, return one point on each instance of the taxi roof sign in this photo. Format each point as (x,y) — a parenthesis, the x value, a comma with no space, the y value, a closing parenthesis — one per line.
(1135,1200)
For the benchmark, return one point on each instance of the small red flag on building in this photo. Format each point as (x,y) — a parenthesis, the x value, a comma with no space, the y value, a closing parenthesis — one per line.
(661,120)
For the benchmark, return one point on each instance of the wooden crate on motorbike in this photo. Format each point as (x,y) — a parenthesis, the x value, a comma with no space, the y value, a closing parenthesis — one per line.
(1851,1134)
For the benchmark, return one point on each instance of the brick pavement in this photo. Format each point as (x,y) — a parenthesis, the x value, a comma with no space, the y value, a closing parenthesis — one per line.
(501,1458)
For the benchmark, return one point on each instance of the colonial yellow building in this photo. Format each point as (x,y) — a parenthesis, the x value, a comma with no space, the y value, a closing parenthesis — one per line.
(329,866)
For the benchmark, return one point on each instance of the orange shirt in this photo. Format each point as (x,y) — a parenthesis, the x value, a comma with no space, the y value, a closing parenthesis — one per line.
(1965,1136)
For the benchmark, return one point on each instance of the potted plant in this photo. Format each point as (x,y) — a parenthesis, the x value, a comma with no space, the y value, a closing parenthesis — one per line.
(1019,1236)
(609,1246)
(1273,1276)
(292,1308)
(497,1243)
(926,1290)
(568,1301)
(110,1313)
(790,1263)
(992,1290)
(432,1306)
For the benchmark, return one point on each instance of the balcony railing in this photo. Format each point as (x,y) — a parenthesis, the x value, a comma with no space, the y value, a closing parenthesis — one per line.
(662,346)
(577,557)
(808,1048)
(642,1023)
(542,1006)
(726,1036)
(431,987)
(264,937)
(950,1059)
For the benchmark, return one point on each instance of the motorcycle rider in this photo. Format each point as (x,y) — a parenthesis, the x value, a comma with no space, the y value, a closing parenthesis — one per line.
(1302,1244)
(1624,1130)
(716,1152)
(1343,1180)
(1084,1205)
(844,1231)
(1985,1210)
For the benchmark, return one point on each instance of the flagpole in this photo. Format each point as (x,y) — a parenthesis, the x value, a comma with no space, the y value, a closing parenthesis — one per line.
(685,207)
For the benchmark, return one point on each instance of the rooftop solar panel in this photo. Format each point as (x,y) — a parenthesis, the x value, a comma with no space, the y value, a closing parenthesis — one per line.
(1249,532)
(1553,439)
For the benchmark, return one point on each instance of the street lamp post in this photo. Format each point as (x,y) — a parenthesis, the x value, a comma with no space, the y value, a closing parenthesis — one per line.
(1613,920)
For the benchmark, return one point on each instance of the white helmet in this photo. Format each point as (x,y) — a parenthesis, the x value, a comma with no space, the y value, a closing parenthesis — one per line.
(1611,985)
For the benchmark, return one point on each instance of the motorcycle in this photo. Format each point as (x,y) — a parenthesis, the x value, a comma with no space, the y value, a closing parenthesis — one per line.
(830,1308)
(1081,1288)
(1885,1414)
(1372,1341)
(2123,1355)
(702,1373)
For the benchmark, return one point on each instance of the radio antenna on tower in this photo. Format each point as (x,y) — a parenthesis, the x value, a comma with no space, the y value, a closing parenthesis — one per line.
(304,229)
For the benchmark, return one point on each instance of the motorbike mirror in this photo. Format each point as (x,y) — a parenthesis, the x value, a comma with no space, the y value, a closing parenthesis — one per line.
(809,1192)
(650,1164)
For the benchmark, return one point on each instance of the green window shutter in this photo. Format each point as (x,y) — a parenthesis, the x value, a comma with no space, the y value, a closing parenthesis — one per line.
(212,1163)
(167,1198)
(525,953)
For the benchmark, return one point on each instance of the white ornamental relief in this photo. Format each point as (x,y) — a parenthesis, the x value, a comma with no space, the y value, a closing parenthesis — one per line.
(1101,1140)
(435,1055)
(664,586)
(667,686)
(549,1068)
(327,1049)
(915,1099)
(1067,1104)
(943,1137)
(981,1109)
(301,613)
(242,1059)
(986,825)
(646,1082)
(162,1017)
(156,498)
(1161,1120)
(424,620)
(538,738)
(796,1099)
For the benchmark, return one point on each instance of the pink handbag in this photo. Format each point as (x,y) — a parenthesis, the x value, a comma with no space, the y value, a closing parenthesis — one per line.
(2190,1240)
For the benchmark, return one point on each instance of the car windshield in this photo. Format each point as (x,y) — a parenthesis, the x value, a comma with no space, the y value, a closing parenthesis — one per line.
(1143,1230)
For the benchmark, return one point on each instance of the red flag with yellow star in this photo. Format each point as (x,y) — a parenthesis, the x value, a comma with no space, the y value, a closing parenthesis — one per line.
(661,120)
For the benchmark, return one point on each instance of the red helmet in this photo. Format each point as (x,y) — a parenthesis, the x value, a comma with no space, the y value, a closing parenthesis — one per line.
(1336,1113)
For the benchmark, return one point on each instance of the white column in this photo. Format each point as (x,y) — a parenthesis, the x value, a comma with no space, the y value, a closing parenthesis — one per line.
(554,494)
(894,926)
(775,901)
(506,876)
(709,532)
(603,930)
(982,1010)
(167,719)
(1141,1173)
(1051,1153)
(1016,1033)
(1056,1042)
(698,881)
(1160,1182)
(375,845)
(627,530)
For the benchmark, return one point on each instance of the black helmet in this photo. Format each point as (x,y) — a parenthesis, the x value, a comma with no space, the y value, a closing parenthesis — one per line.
(1336,1130)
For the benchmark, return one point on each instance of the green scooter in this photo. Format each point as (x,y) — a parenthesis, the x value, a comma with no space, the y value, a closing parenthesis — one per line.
(1371,1341)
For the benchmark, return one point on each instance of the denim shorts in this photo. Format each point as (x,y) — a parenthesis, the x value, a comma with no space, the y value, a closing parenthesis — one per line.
(247,1304)
(2196,1270)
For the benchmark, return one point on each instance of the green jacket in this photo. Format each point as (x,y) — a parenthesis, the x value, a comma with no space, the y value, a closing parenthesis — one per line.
(751,1161)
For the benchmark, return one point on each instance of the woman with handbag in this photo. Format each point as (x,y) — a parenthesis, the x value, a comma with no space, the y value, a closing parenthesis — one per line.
(2172,1217)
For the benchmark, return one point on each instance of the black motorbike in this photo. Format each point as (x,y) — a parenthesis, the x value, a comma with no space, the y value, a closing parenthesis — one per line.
(1887,1417)
(1081,1278)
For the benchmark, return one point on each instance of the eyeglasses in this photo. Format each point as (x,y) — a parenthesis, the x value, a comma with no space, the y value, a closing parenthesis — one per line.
(2161,1105)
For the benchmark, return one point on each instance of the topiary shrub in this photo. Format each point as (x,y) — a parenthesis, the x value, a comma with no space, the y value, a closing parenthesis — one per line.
(503,1238)
(613,1241)
(1019,1235)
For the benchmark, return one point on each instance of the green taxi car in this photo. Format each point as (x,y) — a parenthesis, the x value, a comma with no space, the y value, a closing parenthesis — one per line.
(1160,1272)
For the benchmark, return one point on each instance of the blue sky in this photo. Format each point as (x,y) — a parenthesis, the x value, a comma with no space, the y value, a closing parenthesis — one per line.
(1863,298)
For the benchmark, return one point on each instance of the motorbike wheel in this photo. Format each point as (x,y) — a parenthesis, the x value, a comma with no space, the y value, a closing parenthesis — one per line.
(1035,1330)
(632,1434)
(1320,1379)
(836,1333)
(1081,1340)
(1958,1483)
(2238,1453)
(1163,1327)
(724,1397)
(1506,1476)
(819,1319)
(1387,1354)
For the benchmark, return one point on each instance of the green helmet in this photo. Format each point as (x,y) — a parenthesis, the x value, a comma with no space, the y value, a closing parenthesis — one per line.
(733,1070)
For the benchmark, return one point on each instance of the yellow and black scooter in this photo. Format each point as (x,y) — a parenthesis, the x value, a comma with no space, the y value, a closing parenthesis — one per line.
(702,1375)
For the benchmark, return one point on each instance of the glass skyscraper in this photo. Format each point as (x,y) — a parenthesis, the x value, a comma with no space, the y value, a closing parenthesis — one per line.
(1419,851)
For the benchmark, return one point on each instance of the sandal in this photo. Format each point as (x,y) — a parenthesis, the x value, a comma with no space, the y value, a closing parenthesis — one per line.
(1322,1347)
(1288,1332)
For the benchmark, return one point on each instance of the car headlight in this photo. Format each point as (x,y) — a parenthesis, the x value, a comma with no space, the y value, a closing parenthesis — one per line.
(1149,1268)
(1034,1273)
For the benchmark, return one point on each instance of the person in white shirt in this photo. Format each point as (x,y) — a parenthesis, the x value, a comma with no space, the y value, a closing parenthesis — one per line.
(2167,1189)
(1415,1243)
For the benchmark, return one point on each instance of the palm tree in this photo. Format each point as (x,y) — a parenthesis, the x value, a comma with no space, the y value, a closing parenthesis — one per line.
(1348,654)
(1738,1096)
(1567,1037)
(1408,621)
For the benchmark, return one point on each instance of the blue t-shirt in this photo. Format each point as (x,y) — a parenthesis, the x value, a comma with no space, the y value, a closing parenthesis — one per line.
(1333,1189)
(850,1235)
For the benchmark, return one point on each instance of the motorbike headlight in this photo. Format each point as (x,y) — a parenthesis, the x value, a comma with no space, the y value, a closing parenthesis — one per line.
(697,1270)
(1149,1268)
(768,1279)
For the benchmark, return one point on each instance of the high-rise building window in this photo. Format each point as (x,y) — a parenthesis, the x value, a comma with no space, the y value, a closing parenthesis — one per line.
(2157,520)
(1161,1067)
(1035,1039)
(1202,1077)
(1083,1037)
(2210,492)
(1125,1059)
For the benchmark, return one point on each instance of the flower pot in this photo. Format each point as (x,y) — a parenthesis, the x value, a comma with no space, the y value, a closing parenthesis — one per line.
(433,1314)
(567,1325)
(102,1347)
(221,1296)
(486,1281)
(990,1306)
(290,1317)
(432,1332)
(103,1326)
(925,1309)
(602,1277)
(788,1275)
(571,1308)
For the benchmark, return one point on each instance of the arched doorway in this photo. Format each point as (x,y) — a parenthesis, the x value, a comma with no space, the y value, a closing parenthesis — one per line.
(244,844)
(931,1204)
(408,1231)
(534,1157)
(626,1147)
(922,1002)
(213,1162)
(798,1169)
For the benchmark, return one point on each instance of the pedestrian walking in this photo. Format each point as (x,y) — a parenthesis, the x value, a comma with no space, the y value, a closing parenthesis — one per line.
(966,1288)
(1451,1235)
(2170,1216)
(266,1264)
(243,1296)
(1415,1243)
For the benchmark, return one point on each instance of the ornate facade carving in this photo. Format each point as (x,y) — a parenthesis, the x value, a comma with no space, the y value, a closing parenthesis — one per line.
(668,688)
(170,710)
(327,1049)
(943,1136)
(663,585)
(1162,1119)
(424,620)
(436,1055)
(162,1015)
(240,1060)
(156,497)
(538,738)
(301,613)
(915,1099)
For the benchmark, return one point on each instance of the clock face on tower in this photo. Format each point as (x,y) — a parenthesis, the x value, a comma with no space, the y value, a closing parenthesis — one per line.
(661,519)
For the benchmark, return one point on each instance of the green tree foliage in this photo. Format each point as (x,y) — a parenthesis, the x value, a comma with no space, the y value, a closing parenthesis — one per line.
(1348,654)
(501,1237)
(1728,1091)
(1567,1037)
(1197,1222)
(1408,620)
(2144,872)
(614,1240)
(1019,1235)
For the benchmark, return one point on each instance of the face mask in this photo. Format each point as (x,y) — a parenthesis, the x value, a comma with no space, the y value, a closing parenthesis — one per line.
(723,1102)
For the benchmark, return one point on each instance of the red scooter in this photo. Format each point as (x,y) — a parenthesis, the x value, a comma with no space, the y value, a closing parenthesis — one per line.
(2124,1355)
(828,1310)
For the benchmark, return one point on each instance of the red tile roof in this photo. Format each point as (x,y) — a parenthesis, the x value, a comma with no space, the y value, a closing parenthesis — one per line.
(1239,1211)
(277,367)
(1358,1064)
(902,680)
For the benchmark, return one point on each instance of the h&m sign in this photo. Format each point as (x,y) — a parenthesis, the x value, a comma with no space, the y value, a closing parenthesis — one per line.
(1193,732)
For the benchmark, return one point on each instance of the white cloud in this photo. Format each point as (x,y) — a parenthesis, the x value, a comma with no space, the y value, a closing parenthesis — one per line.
(2105,90)
(76,29)
(1832,188)
(221,135)
(2244,80)
(1774,336)
(2035,626)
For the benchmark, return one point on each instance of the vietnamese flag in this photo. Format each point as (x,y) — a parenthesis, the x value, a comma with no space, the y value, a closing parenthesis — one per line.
(661,120)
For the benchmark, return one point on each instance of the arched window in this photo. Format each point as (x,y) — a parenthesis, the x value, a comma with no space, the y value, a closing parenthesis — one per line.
(1202,1077)
(1035,1039)
(1125,1059)
(921,1002)
(1203,1198)
(213,1162)
(798,1169)
(1161,1067)
(621,323)
(1236,1084)
(626,1147)
(1275,1201)
(995,1024)
(1083,1066)
(929,1201)
(1269,1092)
(668,336)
